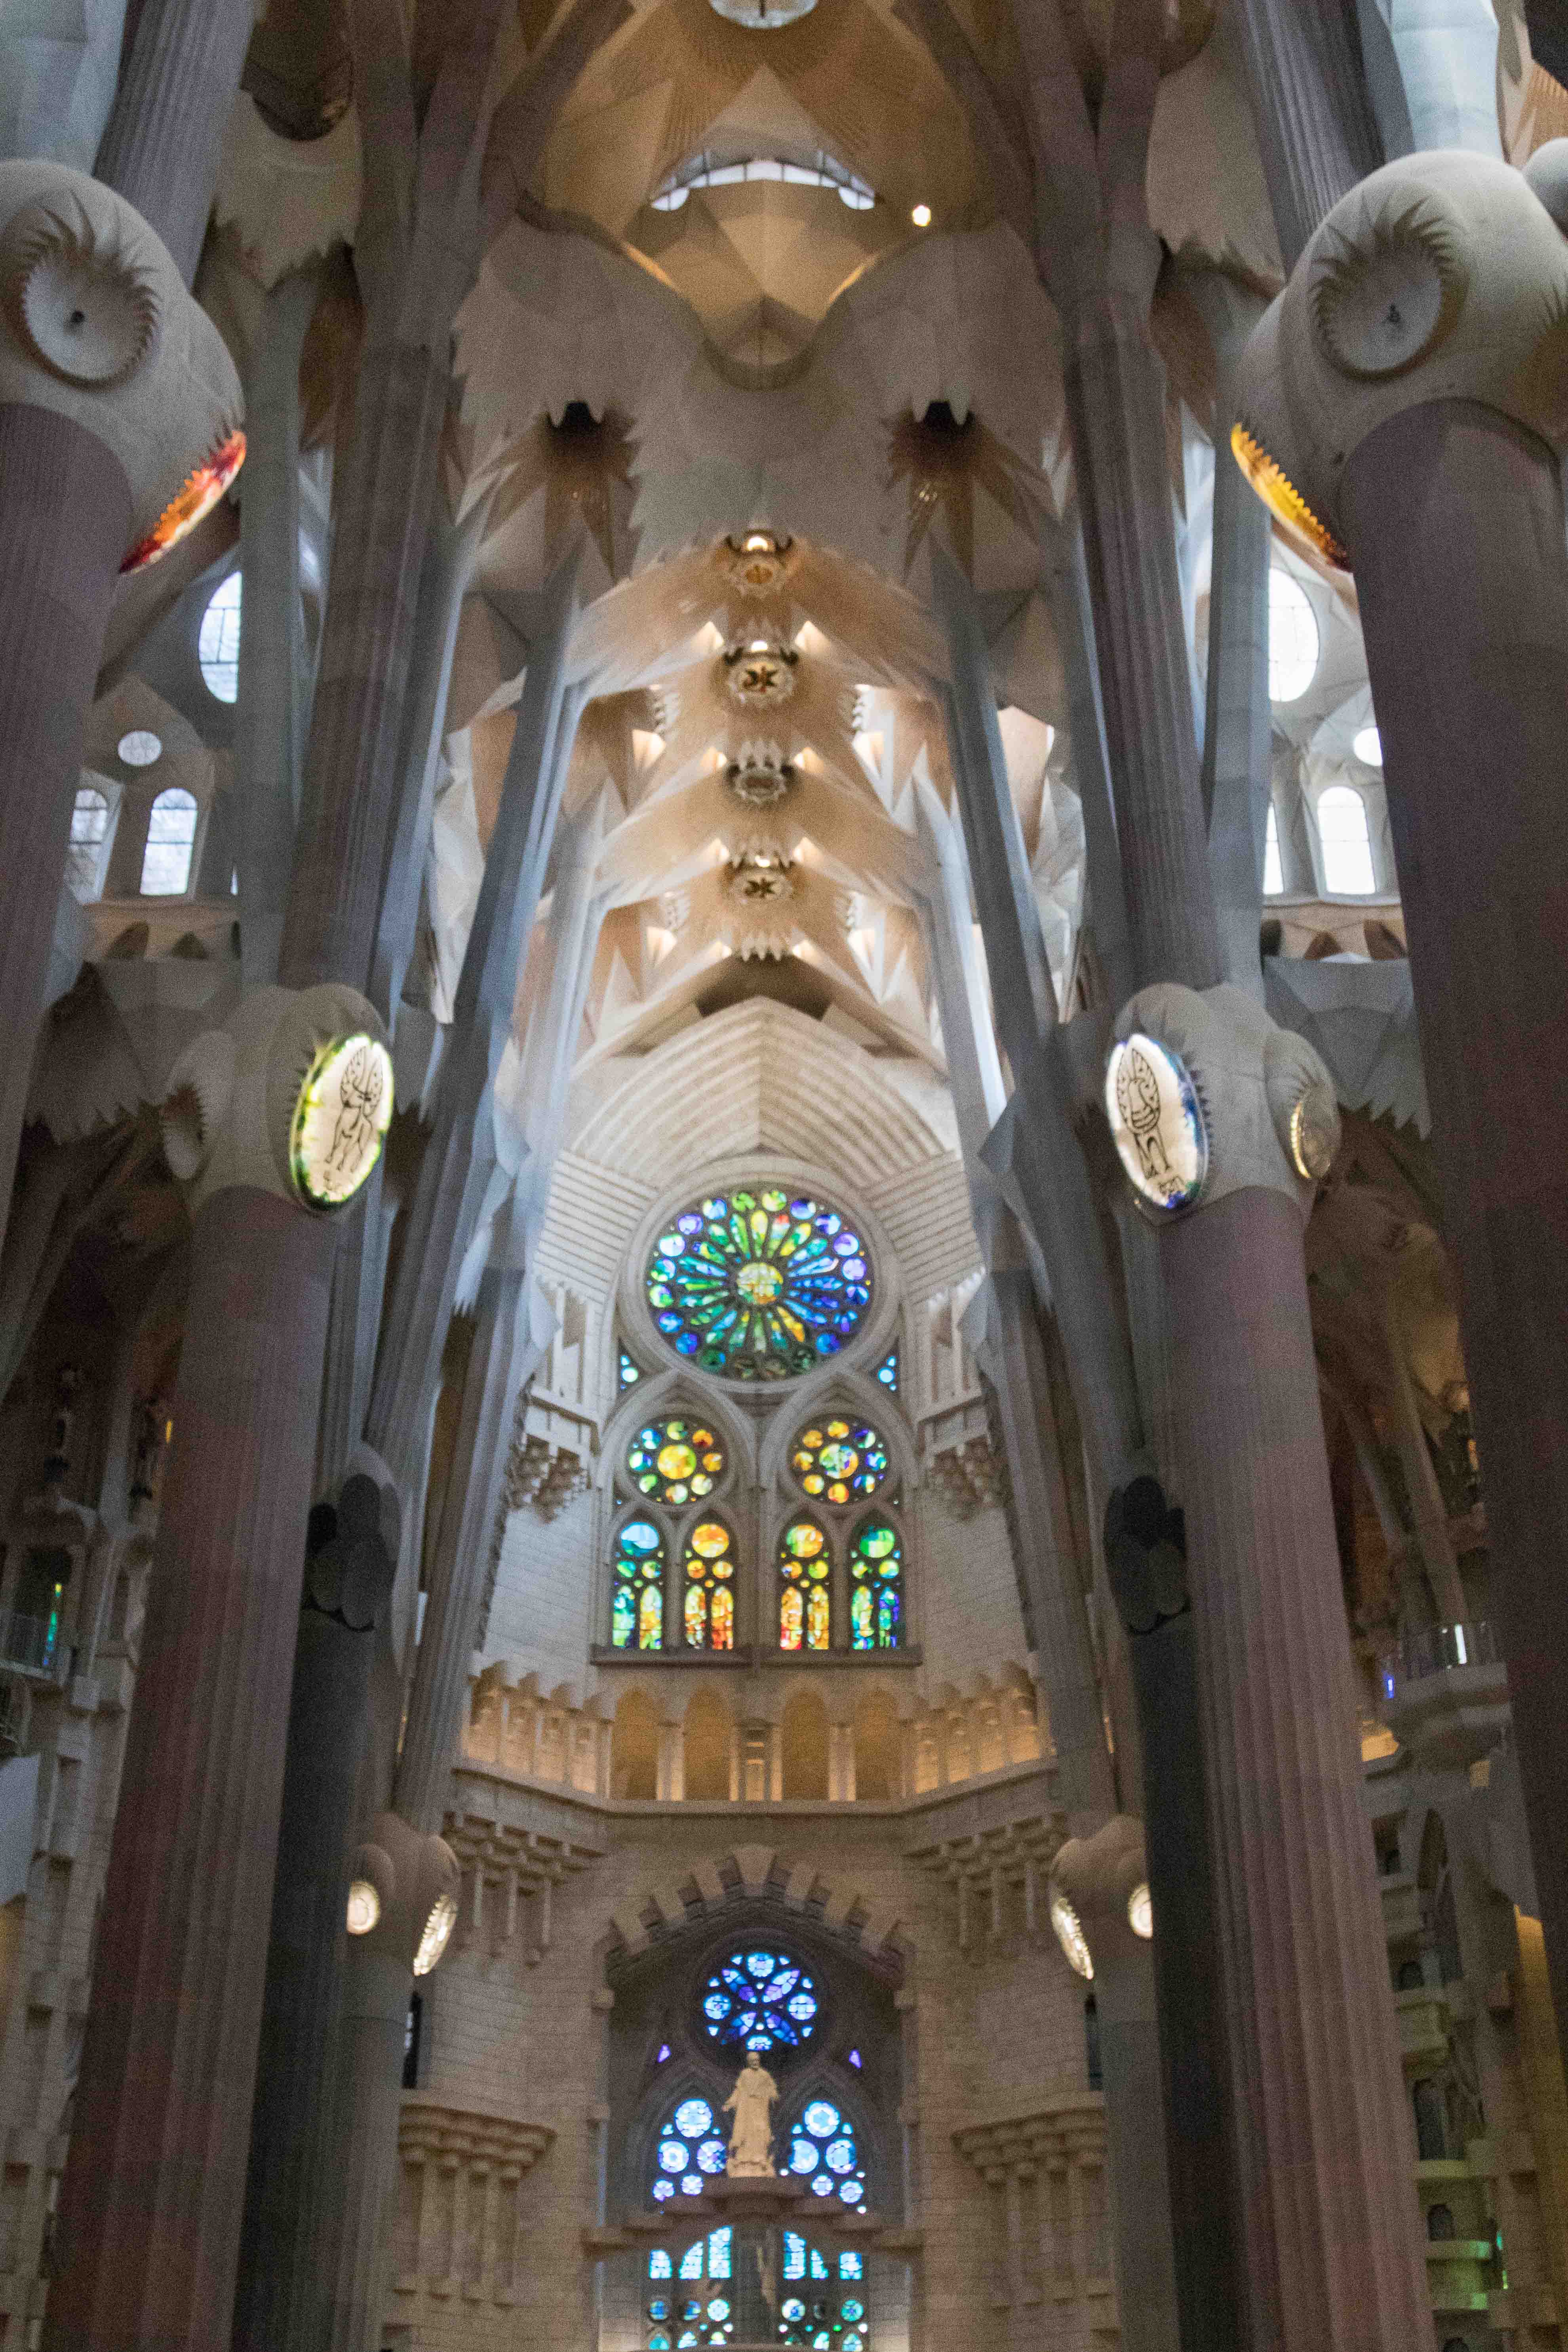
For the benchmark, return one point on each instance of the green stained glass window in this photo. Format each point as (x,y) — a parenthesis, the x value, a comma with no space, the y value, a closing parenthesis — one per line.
(675,1460)
(839,1461)
(806,1571)
(636,1588)
(876,1586)
(759,1284)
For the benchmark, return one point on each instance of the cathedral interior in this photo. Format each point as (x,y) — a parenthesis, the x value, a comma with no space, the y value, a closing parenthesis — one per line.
(783,1300)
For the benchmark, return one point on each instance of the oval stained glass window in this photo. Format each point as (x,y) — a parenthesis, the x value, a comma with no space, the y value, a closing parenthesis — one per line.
(709,1607)
(675,1460)
(636,1588)
(759,1284)
(806,1570)
(876,1586)
(839,1461)
(760,1999)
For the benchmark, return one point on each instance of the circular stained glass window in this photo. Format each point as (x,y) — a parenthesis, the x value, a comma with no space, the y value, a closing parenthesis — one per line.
(675,1460)
(823,2156)
(758,1286)
(760,2001)
(840,1460)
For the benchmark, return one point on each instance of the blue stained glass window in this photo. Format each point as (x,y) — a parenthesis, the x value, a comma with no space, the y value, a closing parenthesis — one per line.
(758,1286)
(701,2307)
(626,1373)
(690,2149)
(760,1999)
(824,2156)
(887,1370)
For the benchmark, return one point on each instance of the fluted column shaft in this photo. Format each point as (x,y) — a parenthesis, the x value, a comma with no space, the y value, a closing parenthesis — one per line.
(381,522)
(164,137)
(1116,400)
(376,1988)
(154,2184)
(1324,2142)
(271,683)
(281,2296)
(64,523)
(1455,519)
(1310,103)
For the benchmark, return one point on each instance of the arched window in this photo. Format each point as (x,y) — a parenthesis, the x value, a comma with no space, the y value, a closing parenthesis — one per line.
(1346,842)
(1439,2221)
(760,1998)
(825,2155)
(217,646)
(806,1570)
(708,1610)
(876,1586)
(1273,870)
(1293,639)
(89,830)
(171,843)
(637,1587)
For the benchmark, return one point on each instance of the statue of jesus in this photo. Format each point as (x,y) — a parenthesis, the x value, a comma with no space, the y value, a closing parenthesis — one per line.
(751,2136)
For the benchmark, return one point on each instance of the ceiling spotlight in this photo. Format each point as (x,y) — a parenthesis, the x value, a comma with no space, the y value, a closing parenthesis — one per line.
(920,216)
(139,748)
(1368,747)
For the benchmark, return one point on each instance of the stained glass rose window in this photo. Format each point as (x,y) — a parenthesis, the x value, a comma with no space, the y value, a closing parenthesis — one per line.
(839,1461)
(760,1999)
(675,1460)
(758,1286)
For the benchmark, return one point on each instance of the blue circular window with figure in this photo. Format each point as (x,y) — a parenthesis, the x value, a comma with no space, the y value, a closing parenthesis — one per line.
(760,1999)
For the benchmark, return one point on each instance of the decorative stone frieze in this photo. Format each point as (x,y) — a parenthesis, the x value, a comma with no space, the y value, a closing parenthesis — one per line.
(462,2168)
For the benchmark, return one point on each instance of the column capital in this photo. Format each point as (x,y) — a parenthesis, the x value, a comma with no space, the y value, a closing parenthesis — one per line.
(1442,277)
(96,325)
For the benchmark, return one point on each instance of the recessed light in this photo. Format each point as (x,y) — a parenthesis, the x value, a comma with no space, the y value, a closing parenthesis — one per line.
(139,748)
(1368,747)
(920,216)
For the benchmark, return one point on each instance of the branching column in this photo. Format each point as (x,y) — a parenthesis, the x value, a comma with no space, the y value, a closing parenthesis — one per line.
(1310,103)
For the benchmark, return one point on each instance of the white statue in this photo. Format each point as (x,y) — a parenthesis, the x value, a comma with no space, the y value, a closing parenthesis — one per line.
(751,2136)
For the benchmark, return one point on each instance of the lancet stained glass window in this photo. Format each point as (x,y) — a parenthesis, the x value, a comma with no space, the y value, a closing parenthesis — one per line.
(691,2148)
(839,1461)
(691,2302)
(758,1286)
(637,1594)
(675,1460)
(760,1999)
(805,1570)
(709,1607)
(824,2154)
(876,1586)
(824,2297)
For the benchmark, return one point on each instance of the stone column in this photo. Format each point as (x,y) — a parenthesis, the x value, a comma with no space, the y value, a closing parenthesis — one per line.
(1315,2087)
(271,653)
(154,2184)
(164,137)
(461,1156)
(101,423)
(279,2299)
(1437,472)
(1311,106)
(58,67)
(415,1883)
(1098,1875)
